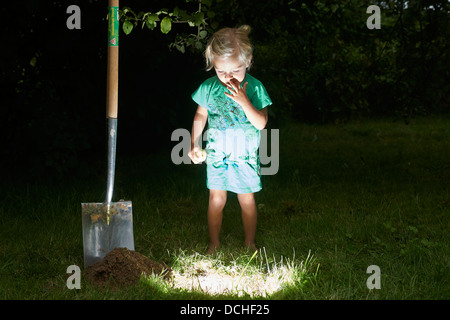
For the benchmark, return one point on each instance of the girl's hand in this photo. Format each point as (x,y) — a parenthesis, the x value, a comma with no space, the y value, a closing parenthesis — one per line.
(197,155)
(238,94)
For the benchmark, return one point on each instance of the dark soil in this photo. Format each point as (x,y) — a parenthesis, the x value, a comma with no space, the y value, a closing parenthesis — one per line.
(123,267)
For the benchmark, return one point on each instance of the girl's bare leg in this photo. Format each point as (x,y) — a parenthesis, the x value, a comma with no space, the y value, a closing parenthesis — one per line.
(249,218)
(217,200)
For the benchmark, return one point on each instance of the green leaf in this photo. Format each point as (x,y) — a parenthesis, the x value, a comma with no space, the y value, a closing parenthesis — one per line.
(153,17)
(190,41)
(183,15)
(198,45)
(127,10)
(151,21)
(127,27)
(163,11)
(180,48)
(151,25)
(202,34)
(166,25)
(198,18)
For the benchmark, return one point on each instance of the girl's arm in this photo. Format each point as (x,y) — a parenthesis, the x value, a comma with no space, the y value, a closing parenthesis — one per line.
(200,118)
(258,118)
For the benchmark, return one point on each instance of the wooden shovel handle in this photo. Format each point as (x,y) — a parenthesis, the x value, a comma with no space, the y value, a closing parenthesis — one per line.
(112,82)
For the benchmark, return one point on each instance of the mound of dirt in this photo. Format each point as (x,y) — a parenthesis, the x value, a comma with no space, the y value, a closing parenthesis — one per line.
(123,267)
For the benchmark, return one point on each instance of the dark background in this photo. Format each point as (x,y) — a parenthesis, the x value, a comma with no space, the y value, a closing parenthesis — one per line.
(317,59)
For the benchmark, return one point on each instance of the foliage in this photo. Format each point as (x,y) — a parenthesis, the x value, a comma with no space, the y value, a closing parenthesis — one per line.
(166,18)
(321,62)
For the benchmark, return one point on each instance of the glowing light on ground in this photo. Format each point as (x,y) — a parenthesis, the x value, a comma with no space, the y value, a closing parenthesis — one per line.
(212,276)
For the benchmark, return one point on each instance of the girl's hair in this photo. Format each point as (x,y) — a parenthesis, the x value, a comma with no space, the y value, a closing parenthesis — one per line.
(225,42)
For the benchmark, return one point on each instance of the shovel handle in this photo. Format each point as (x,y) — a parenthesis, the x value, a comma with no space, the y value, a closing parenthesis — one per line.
(112,93)
(112,82)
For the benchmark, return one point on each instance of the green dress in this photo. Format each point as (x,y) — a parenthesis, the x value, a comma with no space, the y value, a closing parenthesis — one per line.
(232,161)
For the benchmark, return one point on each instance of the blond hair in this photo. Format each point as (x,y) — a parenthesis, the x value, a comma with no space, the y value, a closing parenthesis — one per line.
(228,41)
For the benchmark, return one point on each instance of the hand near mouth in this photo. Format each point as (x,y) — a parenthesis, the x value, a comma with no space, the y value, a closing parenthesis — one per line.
(237,93)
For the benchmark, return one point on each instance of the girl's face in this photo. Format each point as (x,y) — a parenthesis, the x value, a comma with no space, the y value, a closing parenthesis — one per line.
(230,68)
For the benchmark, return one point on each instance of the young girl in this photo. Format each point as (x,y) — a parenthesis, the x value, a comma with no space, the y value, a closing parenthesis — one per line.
(234,104)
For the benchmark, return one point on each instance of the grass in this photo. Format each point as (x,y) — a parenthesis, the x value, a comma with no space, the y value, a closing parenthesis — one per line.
(346,197)
(240,276)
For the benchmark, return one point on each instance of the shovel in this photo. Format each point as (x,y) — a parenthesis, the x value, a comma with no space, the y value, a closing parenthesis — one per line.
(108,225)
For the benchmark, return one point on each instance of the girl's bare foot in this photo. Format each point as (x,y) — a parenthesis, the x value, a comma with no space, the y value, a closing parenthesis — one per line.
(212,248)
(251,246)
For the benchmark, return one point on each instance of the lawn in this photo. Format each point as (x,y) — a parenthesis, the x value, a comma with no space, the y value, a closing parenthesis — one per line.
(346,196)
